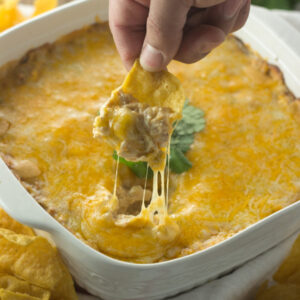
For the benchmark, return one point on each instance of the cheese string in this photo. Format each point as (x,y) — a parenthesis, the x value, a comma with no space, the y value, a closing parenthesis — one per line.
(115,201)
(116,176)
(168,171)
(145,185)
(159,201)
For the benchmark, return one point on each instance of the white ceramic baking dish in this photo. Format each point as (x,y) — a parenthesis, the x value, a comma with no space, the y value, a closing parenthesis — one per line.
(116,280)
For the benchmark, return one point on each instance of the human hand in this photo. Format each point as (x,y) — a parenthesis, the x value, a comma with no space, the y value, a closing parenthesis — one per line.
(161,30)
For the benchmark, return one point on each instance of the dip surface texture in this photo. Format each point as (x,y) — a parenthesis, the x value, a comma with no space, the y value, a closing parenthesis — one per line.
(246,163)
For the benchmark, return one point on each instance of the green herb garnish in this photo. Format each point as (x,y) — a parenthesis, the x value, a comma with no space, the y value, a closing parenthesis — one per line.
(281,4)
(178,161)
(182,138)
(138,168)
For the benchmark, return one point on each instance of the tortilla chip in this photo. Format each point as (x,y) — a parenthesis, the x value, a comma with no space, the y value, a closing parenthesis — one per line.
(42,6)
(8,295)
(14,288)
(9,223)
(34,260)
(154,88)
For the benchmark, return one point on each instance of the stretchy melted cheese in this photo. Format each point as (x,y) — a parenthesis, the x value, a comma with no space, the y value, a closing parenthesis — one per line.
(246,163)
(138,121)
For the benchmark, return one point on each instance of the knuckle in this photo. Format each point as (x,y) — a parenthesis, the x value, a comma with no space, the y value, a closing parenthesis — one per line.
(239,24)
(242,18)
(188,3)
(163,34)
(154,26)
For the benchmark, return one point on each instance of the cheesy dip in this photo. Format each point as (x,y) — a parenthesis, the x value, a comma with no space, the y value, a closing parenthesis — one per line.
(245,163)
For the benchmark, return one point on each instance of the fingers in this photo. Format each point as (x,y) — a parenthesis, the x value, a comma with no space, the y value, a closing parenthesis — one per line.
(198,42)
(225,15)
(242,17)
(206,29)
(165,30)
(164,33)
(171,29)
(229,16)
(231,7)
(127,20)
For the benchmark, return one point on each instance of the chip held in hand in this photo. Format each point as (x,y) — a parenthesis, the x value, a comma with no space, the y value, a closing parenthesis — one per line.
(161,89)
(137,120)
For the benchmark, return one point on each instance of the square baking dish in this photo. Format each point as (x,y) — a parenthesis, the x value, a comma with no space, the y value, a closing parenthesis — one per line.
(117,280)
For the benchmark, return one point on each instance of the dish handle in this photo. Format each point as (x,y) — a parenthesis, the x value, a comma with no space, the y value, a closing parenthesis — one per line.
(20,205)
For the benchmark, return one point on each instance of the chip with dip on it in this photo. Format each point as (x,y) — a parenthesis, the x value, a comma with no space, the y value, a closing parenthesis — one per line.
(138,118)
(160,89)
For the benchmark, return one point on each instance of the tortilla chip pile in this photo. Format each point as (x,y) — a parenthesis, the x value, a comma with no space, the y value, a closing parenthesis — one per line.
(30,268)
(10,14)
(287,279)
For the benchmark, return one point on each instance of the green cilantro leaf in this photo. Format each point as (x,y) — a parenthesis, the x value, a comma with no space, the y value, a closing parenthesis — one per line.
(138,168)
(192,121)
(178,162)
(182,142)
(182,138)
(281,4)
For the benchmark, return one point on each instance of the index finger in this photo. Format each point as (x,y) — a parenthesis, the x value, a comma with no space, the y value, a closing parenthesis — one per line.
(127,21)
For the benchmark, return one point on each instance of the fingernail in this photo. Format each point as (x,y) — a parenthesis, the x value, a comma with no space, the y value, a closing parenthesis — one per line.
(231,7)
(151,59)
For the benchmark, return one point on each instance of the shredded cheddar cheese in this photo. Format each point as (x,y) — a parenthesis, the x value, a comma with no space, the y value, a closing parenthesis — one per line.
(246,163)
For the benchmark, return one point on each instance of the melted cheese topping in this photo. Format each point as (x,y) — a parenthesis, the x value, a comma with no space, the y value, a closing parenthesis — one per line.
(246,163)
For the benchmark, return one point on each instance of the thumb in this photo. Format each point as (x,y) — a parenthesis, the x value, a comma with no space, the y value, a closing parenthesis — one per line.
(165,25)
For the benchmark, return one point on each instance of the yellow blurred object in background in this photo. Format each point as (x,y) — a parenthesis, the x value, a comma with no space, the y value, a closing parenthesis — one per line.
(42,6)
(287,279)
(10,14)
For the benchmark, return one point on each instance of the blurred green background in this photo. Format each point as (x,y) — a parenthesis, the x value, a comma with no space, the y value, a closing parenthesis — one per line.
(281,4)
